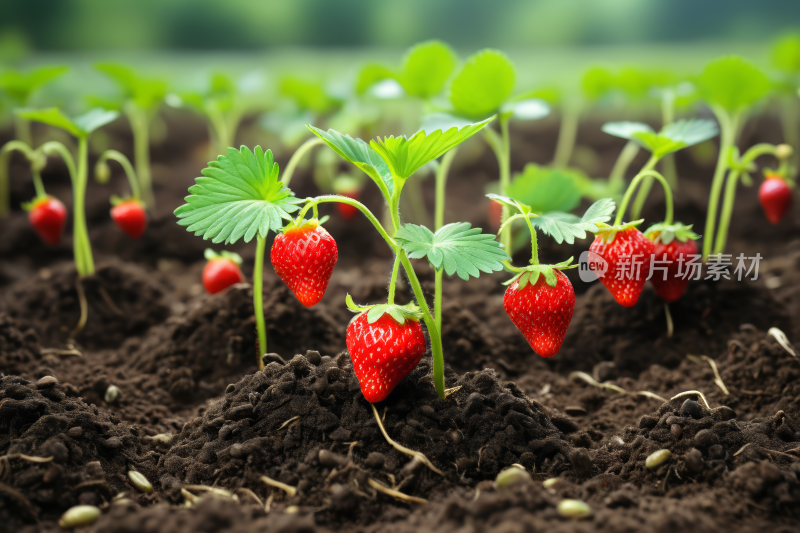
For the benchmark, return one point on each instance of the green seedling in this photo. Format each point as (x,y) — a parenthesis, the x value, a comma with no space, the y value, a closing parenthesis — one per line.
(672,137)
(80,127)
(454,248)
(239,196)
(141,100)
(786,59)
(730,86)
(19,87)
(224,102)
(483,87)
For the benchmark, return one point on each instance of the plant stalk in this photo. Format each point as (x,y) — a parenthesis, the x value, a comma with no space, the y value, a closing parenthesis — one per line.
(258,304)
(393,280)
(617,177)
(140,127)
(298,154)
(22,130)
(81,245)
(567,133)
(644,190)
(132,175)
(441,186)
(632,187)
(728,128)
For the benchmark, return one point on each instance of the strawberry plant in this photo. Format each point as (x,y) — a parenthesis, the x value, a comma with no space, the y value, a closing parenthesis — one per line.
(540,299)
(221,271)
(80,127)
(731,86)
(237,197)
(19,87)
(128,212)
(454,248)
(141,99)
(786,59)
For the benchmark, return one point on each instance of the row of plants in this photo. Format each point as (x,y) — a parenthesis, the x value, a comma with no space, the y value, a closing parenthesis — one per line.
(242,195)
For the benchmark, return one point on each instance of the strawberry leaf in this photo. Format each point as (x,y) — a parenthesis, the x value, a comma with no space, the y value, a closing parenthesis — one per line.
(405,156)
(671,138)
(483,84)
(20,86)
(566,226)
(238,196)
(457,248)
(146,93)
(526,109)
(79,126)
(545,189)
(361,155)
(426,68)
(732,83)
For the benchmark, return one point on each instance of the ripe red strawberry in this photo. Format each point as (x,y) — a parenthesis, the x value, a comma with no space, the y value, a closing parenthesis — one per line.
(47,216)
(775,197)
(221,272)
(673,255)
(495,214)
(624,279)
(130,217)
(383,352)
(348,211)
(541,312)
(304,257)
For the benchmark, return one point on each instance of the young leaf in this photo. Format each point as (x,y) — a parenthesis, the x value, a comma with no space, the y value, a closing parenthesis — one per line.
(19,86)
(426,68)
(597,82)
(307,94)
(79,126)
(566,226)
(371,74)
(732,83)
(147,93)
(361,155)
(526,109)
(545,189)
(671,138)
(786,54)
(457,248)
(405,156)
(238,196)
(483,84)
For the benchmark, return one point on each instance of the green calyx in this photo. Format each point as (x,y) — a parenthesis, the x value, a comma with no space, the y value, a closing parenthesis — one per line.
(38,200)
(117,200)
(211,255)
(666,233)
(530,274)
(301,223)
(400,313)
(609,233)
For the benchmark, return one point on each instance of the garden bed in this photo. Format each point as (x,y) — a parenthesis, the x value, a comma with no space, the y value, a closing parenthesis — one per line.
(185,365)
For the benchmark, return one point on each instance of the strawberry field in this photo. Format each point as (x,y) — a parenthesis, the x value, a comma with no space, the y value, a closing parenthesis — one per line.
(423,292)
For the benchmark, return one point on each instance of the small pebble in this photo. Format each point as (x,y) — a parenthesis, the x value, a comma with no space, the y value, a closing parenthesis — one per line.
(112,395)
(79,516)
(375,460)
(575,509)
(723,413)
(273,358)
(694,461)
(574,410)
(330,459)
(692,408)
(47,382)
(455,436)
(677,431)
(547,483)
(705,438)
(313,357)
(511,477)
(75,433)
(140,482)
(657,458)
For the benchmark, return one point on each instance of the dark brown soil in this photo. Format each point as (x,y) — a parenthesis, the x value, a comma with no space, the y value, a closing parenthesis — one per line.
(184,363)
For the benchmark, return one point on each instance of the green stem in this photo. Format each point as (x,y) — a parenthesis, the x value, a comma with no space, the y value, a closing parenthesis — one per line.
(393,280)
(131,174)
(22,130)
(534,245)
(140,127)
(567,133)
(433,330)
(37,183)
(258,304)
(5,161)
(668,117)
(304,148)
(220,137)
(728,128)
(416,200)
(505,178)
(632,187)
(617,177)
(355,203)
(437,298)
(644,191)
(441,184)
(789,117)
(749,157)
(81,245)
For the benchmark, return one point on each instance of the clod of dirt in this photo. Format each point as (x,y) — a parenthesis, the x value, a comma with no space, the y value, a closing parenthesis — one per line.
(123,300)
(91,453)
(18,349)
(324,440)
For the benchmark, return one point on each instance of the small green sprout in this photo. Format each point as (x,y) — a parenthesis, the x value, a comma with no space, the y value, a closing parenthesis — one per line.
(19,87)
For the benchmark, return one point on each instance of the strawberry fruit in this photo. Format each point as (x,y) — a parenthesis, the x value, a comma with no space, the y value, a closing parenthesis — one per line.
(303,257)
(383,352)
(47,216)
(130,217)
(775,197)
(627,253)
(221,271)
(542,312)
(346,210)
(674,247)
